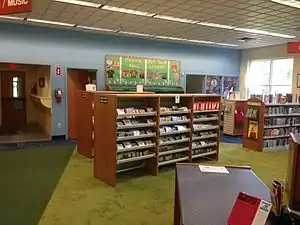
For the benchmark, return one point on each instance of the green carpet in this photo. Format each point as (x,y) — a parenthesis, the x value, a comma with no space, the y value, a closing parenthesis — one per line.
(80,199)
(28,179)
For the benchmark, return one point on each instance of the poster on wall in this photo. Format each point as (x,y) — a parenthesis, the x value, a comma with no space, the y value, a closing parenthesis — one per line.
(213,85)
(253,130)
(231,83)
(132,71)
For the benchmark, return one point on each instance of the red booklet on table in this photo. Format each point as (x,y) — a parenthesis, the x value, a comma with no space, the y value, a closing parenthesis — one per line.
(249,210)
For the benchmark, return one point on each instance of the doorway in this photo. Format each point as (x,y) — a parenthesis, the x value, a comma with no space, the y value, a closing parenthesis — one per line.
(195,83)
(13,102)
(77,79)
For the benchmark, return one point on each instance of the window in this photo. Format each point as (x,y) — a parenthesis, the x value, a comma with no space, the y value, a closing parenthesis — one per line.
(270,76)
(16,87)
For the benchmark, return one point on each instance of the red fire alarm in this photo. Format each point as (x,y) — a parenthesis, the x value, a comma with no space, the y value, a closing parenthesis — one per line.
(58,70)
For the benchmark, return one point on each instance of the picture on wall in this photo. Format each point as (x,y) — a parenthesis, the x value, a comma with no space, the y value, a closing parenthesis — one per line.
(132,71)
(230,84)
(213,85)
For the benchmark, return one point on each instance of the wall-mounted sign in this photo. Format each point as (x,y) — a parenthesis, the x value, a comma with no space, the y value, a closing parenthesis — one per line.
(132,71)
(15,6)
(293,47)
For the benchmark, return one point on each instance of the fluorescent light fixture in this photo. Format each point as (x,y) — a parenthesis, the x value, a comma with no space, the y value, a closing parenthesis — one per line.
(216,25)
(11,18)
(82,3)
(226,44)
(170,38)
(201,42)
(135,34)
(253,31)
(291,3)
(95,28)
(128,11)
(171,18)
(50,22)
(212,43)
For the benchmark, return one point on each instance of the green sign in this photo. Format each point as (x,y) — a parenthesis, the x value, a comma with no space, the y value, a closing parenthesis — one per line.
(131,71)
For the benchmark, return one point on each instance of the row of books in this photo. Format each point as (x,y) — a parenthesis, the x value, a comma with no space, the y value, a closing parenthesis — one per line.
(133,133)
(133,154)
(167,129)
(274,143)
(171,157)
(132,144)
(203,150)
(282,110)
(128,122)
(276,132)
(172,118)
(132,110)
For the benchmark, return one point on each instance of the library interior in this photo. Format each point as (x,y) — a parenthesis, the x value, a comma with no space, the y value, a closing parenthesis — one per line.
(149,112)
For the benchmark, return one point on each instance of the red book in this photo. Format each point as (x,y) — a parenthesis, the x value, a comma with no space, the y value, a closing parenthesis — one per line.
(249,210)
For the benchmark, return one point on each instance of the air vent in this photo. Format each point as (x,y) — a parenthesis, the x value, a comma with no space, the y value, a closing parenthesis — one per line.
(245,39)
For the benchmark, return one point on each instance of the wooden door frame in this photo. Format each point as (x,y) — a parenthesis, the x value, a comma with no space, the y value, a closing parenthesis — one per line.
(24,86)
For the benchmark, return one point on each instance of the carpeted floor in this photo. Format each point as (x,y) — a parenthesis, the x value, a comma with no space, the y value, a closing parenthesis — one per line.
(79,199)
(28,178)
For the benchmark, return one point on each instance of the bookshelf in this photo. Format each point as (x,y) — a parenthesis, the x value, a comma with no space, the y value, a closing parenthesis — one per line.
(234,111)
(268,126)
(149,131)
(85,121)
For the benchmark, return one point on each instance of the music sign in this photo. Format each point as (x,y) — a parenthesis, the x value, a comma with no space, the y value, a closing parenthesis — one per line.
(15,6)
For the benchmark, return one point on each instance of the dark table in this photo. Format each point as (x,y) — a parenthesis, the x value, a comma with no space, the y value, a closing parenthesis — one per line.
(207,198)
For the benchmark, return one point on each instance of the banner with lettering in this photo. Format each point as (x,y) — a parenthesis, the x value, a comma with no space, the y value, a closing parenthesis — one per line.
(131,71)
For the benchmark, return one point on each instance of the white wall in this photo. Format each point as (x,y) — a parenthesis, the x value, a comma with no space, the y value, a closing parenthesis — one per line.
(271,52)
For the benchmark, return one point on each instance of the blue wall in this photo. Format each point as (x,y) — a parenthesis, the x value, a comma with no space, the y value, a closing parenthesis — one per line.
(71,49)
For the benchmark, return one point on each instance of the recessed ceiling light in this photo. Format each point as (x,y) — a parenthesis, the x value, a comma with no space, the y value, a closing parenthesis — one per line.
(291,3)
(216,25)
(176,19)
(128,11)
(50,22)
(95,28)
(262,32)
(11,18)
(82,3)
(135,34)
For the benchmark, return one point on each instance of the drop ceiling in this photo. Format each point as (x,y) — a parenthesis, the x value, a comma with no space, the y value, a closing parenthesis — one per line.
(215,22)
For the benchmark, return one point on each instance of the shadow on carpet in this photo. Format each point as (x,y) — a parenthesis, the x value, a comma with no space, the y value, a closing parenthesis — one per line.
(231,139)
(28,179)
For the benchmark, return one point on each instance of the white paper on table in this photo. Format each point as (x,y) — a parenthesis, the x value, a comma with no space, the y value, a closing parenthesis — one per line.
(213,169)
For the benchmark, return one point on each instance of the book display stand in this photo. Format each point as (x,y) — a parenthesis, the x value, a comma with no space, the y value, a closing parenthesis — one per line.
(268,126)
(234,112)
(148,131)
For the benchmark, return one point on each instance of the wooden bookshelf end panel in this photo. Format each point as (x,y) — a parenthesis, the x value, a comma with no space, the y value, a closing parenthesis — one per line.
(85,142)
(105,138)
(293,173)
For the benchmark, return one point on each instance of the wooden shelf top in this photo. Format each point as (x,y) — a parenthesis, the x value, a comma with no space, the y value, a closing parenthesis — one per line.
(296,138)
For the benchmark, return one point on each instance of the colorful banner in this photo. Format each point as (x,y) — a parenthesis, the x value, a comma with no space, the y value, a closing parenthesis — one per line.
(131,71)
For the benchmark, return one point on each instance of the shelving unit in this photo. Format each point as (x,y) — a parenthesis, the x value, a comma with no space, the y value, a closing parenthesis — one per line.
(205,126)
(268,126)
(85,115)
(234,111)
(149,131)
